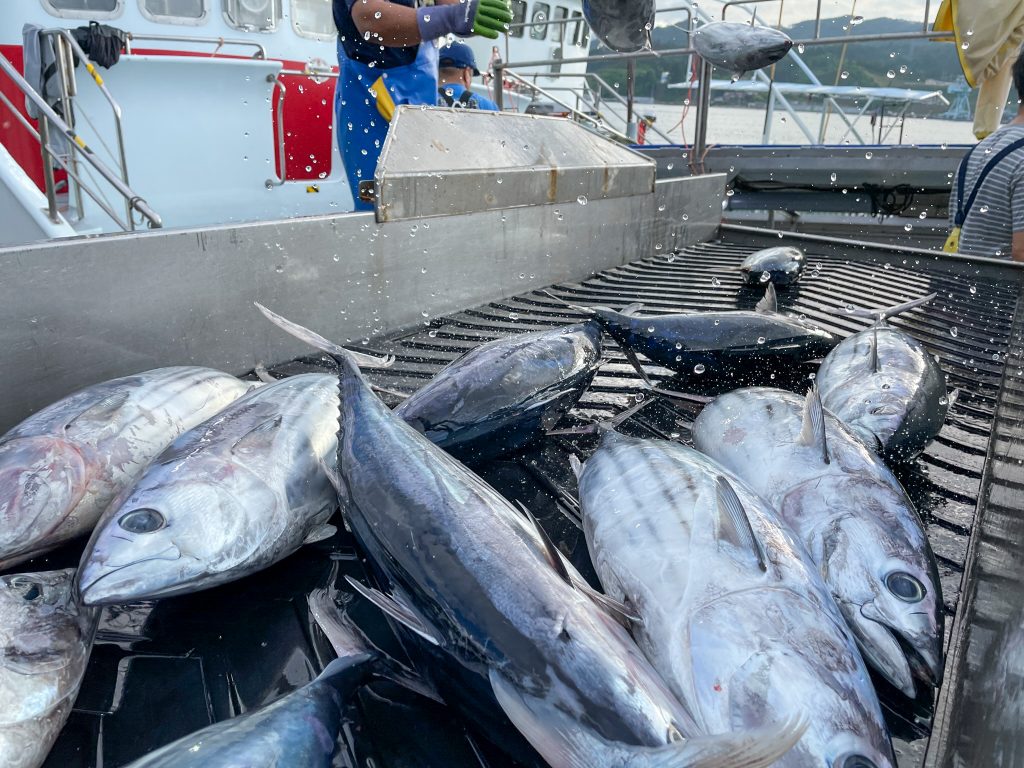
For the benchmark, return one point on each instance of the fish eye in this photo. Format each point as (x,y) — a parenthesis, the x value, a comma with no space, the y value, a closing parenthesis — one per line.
(31,591)
(142,521)
(856,761)
(905,587)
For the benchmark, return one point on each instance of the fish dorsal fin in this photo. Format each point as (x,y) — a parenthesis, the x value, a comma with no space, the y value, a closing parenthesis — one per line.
(874,348)
(733,523)
(396,611)
(619,611)
(550,550)
(769,304)
(259,437)
(631,309)
(263,374)
(813,432)
(99,414)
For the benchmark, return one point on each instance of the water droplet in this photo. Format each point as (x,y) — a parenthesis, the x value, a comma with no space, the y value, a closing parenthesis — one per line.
(513,315)
(698,368)
(661,207)
(800,48)
(833,176)
(424,313)
(761,339)
(717,322)
(377,15)
(953,331)
(908,227)
(685,217)
(903,69)
(423,270)
(650,329)
(715,282)
(922,215)
(995,356)
(855,20)
(432,333)
(279,269)
(965,45)
(983,209)
(309,168)
(973,289)
(843,75)
(890,74)
(765,276)
(868,155)
(582,199)
(670,166)
(499,180)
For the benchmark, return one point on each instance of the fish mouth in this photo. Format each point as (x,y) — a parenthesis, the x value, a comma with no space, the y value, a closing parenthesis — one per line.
(881,647)
(102,590)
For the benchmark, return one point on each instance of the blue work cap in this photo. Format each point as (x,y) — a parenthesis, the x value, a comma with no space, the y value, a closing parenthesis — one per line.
(457,55)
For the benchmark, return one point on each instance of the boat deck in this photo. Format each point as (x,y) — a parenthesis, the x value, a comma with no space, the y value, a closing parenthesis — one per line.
(212,655)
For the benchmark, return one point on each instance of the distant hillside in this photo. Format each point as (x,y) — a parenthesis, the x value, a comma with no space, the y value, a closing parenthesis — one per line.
(912,62)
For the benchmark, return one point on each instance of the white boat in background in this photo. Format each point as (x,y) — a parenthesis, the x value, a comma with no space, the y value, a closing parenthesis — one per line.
(219,111)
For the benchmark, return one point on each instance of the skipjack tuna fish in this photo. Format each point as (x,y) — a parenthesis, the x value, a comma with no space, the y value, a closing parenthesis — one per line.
(733,613)
(476,582)
(622,25)
(739,48)
(716,342)
(228,498)
(886,387)
(61,467)
(849,511)
(45,639)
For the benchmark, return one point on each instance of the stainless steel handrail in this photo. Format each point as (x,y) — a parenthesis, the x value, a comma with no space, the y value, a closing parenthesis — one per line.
(261,52)
(271,183)
(64,37)
(47,118)
(597,122)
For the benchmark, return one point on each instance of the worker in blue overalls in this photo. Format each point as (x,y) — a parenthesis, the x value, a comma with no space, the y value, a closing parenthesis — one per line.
(456,67)
(387,55)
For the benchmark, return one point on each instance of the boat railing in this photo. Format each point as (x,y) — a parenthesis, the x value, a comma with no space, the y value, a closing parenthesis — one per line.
(78,151)
(218,42)
(504,69)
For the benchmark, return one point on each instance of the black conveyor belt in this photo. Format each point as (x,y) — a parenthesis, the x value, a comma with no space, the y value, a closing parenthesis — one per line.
(161,671)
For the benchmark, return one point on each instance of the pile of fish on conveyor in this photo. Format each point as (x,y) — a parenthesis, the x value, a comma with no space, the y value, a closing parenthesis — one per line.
(748,585)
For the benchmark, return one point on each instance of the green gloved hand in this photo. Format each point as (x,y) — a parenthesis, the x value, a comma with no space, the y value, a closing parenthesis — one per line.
(492,18)
(487,18)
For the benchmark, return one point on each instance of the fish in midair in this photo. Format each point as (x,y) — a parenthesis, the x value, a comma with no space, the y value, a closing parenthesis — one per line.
(503,394)
(62,466)
(851,514)
(623,25)
(477,583)
(230,497)
(298,730)
(716,342)
(886,387)
(739,48)
(46,636)
(733,613)
(781,266)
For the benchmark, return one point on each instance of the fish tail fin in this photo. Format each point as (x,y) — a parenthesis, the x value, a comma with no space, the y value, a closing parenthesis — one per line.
(591,311)
(883,314)
(314,339)
(747,749)
(355,655)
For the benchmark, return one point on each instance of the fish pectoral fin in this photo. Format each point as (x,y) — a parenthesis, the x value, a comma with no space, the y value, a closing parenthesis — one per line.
(951,398)
(734,525)
(753,748)
(576,465)
(99,414)
(619,611)
(813,432)
(396,611)
(550,550)
(262,373)
(258,438)
(769,303)
(631,309)
(403,396)
(320,533)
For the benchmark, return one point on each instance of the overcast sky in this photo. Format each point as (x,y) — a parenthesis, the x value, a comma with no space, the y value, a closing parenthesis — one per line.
(797,10)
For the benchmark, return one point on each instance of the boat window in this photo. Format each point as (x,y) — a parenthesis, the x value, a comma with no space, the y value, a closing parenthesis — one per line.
(518,17)
(540,14)
(313,18)
(558,30)
(83,9)
(175,11)
(577,28)
(252,15)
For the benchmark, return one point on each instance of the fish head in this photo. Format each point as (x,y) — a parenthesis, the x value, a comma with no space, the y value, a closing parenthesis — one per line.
(43,627)
(172,535)
(42,479)
(876,561)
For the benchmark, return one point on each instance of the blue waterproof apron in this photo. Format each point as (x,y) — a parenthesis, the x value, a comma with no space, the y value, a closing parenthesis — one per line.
(371,83)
